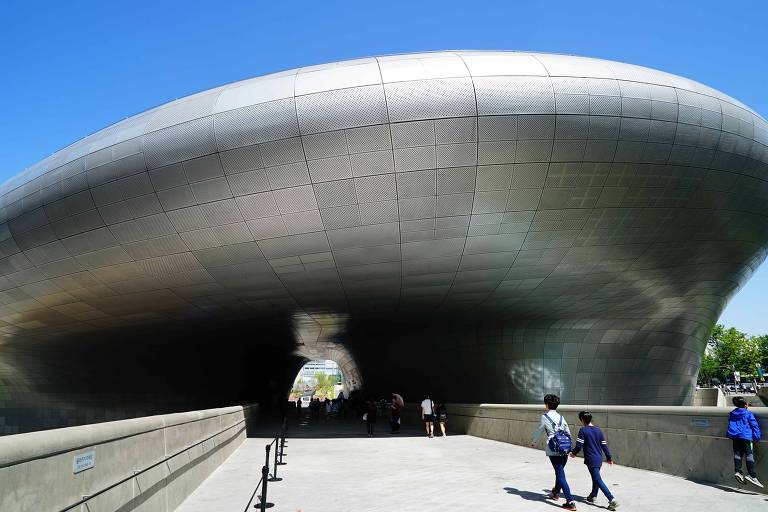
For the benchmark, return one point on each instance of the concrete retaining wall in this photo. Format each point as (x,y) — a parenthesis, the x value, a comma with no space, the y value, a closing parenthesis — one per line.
(709,397)
(143,464)
(763,393)
(682,441)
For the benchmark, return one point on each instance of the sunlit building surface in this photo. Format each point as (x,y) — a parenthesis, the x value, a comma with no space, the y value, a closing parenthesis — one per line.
(486,226)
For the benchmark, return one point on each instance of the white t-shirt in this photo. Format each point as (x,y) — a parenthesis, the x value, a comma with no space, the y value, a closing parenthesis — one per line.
(426,406)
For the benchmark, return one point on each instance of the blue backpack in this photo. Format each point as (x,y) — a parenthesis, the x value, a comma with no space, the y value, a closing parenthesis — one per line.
(560,442)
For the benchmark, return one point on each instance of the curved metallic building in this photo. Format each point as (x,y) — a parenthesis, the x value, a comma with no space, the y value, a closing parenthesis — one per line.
(488,226)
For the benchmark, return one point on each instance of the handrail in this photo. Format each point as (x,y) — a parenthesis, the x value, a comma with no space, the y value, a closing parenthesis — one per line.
(86,498)
(102,440)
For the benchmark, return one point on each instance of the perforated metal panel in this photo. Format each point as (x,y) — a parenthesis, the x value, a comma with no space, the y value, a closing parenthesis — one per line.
(580,223)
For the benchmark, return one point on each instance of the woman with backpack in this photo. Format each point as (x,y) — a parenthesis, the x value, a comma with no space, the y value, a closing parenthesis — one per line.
(557,448)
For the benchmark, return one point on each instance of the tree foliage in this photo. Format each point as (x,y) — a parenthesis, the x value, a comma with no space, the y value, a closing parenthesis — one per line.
(324,384)
(730,350)
(710,368)
(298,386)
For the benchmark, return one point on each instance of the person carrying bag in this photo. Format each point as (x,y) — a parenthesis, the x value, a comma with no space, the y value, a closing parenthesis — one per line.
(559,444)
(560,441)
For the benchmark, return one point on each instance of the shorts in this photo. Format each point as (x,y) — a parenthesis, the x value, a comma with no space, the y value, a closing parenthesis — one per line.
(429,418)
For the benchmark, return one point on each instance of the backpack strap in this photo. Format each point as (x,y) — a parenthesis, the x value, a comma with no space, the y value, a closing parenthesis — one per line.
(556,427)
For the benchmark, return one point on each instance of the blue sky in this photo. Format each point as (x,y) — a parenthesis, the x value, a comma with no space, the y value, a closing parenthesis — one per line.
(71,68)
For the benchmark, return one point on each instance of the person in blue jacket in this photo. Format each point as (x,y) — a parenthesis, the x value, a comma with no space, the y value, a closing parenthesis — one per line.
(592,440)
(743,430)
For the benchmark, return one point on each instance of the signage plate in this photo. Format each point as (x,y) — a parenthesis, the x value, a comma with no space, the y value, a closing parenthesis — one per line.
(83,461)
(699,422)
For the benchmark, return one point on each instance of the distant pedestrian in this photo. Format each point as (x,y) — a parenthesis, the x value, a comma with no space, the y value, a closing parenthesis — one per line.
(592,440)
(314,408)
(743,430)
(370,416)
(428,415)
(397,404)
(557,448)
(441,416)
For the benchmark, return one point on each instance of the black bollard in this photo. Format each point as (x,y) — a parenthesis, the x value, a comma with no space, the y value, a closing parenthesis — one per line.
(282,449)
(264,504)
(274,469)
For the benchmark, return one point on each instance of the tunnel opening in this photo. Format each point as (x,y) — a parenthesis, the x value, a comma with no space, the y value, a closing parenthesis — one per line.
(318,380)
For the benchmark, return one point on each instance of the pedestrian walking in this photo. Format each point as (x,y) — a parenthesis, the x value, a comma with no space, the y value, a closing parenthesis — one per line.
(370,416)
(743,431)
(314,408)
(428,415)
(592,440)
(557,447)
(397,404)
(441,416)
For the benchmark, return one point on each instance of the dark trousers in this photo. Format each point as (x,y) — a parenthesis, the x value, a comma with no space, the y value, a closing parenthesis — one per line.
(597,483)
(559,462)
(742,449)
(371,423)
(395,420)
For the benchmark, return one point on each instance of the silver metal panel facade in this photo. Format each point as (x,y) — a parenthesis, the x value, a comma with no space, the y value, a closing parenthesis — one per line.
(553,223)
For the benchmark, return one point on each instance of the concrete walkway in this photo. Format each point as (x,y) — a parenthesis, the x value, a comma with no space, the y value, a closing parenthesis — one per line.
(339,474)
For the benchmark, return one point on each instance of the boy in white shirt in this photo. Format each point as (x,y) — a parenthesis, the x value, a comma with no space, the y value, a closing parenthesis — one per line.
(428,414)
(552,423)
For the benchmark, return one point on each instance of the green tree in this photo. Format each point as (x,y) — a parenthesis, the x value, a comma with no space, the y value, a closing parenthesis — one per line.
(730,350)
(762,343)
(298,386)
(324,384)
(710,368)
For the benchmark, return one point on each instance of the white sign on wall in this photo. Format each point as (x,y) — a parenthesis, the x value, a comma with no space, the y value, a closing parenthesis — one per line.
(699,422)
(83,461)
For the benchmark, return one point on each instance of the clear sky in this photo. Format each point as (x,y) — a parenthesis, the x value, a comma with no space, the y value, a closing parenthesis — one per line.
(70,68)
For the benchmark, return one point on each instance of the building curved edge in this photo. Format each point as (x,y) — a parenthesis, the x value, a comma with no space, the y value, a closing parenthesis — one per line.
(527,223)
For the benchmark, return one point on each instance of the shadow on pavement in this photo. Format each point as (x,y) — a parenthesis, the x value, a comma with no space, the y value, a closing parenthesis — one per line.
(726,488)
(530,496)
(535,496)
(308,427)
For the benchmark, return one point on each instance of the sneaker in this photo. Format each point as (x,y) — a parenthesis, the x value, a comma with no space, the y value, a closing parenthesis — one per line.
(568,506)
(590,499)
(753,480)
(739,477)
(553,495)
(613,505)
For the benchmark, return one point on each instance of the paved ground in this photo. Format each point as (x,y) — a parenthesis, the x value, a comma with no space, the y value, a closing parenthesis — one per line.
(337,473)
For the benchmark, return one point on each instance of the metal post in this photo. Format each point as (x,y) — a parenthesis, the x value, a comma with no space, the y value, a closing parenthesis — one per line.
(264,504)
(282,449)
(274,469)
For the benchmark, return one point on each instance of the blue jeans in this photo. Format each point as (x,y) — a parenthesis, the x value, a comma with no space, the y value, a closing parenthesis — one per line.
(597,482)
(559,462)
